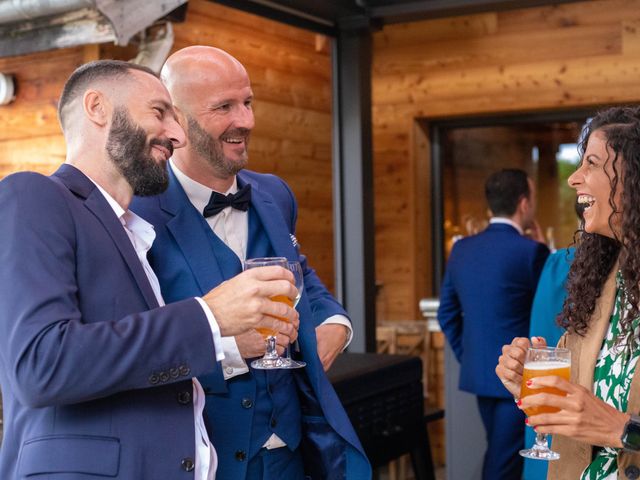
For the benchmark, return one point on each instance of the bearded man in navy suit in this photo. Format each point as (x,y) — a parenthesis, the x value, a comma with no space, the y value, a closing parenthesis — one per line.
(277,424)
(96,373)
(485,300)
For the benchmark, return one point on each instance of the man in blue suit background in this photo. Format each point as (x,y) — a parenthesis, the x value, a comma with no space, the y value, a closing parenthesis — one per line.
(485,300)
(278,424)
(96,373)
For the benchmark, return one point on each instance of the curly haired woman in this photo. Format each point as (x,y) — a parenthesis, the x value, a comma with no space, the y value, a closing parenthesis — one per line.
(600,314)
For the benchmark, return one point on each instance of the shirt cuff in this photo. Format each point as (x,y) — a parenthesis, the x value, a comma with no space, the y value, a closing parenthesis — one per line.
(233,363)
(341,320)
(215,329)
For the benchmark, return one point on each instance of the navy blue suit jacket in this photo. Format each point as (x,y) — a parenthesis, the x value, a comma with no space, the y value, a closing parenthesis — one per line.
(485,301)
(96,380)
(188,260)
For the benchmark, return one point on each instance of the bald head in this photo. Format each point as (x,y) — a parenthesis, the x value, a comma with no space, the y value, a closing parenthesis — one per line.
(213,96)
(192,71)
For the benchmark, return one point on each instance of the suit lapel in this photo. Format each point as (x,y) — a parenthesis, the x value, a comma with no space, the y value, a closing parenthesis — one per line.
(271,218)
(191,231)
(95,202)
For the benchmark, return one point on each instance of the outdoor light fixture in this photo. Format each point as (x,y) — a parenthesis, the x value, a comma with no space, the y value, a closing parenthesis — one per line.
(7,89)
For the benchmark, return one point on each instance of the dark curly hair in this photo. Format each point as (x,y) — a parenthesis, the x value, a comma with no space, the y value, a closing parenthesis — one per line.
(596,254)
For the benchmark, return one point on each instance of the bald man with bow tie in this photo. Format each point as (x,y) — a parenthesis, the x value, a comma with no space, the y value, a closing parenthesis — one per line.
(277,424)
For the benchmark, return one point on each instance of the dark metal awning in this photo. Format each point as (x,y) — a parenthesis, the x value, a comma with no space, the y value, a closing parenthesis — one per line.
(331,16)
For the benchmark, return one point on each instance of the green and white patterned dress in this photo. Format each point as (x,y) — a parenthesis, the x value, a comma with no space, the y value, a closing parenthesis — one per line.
(612,378)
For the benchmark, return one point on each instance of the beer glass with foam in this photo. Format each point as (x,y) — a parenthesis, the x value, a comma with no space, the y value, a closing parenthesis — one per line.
(539,362)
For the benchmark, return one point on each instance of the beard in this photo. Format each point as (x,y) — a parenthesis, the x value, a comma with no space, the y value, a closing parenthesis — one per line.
(127,147)
(211,149)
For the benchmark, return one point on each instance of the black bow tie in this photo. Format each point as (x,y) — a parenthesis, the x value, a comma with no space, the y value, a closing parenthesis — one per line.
(218,202)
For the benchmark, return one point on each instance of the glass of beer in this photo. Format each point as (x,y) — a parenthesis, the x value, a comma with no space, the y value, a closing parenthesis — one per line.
(540,362)
(271,359)
(298,275)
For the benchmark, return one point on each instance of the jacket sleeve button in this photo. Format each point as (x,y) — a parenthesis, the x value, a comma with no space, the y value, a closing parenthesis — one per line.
(174,372)
(153,379)
(184,398)
(164,377)
(184,370)
(187,464)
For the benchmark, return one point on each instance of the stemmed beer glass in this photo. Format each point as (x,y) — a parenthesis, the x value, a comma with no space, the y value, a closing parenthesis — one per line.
(540,362)
(271,359)
(296,269)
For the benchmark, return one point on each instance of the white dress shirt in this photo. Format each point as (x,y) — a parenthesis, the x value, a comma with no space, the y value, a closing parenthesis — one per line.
(142,235)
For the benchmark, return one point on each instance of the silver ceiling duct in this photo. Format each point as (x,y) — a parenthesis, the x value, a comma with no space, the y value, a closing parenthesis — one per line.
(19,10)
(36,25)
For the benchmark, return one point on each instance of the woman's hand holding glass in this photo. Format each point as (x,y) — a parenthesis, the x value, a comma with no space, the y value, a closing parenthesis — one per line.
(579,414)
(519,366)
(540,362)
(511,362)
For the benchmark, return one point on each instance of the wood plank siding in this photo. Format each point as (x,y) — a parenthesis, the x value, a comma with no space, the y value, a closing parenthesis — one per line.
(545,58)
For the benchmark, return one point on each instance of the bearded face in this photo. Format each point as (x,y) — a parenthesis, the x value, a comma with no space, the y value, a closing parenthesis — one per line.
(130,152)
(211,149)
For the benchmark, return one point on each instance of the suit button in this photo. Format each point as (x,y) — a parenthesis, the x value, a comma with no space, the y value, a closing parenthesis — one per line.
(241,455)
(184,398)
(246,403)
(187,464)
(174,372)
(164,377)
(153,379)
(632,472)
(274,422)
(184,370)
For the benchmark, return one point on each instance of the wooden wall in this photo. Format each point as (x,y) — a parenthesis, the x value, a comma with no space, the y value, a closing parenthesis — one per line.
(547,58)
(290,71)
(30,136)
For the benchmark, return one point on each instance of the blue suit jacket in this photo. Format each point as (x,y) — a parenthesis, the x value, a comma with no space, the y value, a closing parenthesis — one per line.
(91,386)
(485,301)
(188,263)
